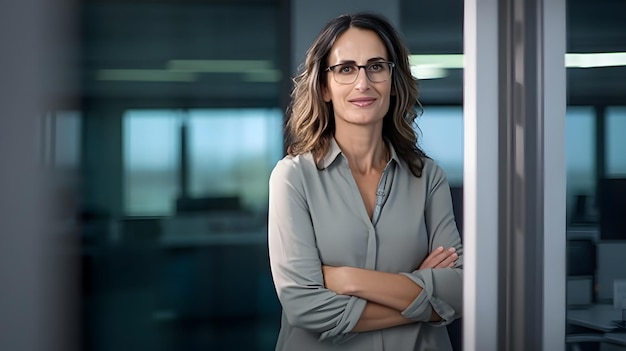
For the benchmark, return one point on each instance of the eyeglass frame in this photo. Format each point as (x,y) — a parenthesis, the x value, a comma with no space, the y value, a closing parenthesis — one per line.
(391,64)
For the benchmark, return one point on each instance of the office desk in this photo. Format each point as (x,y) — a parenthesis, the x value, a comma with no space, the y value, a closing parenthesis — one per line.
(597,317)
(618,338)
(614,341)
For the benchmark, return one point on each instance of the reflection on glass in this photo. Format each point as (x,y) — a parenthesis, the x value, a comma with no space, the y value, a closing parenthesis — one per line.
(580,162)
(67,139)
(615,141)
(151,158)
(232,152)
(441,138)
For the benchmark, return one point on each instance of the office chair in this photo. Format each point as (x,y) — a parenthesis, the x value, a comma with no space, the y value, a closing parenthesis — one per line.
(583,341)
(581,272)
(581,269)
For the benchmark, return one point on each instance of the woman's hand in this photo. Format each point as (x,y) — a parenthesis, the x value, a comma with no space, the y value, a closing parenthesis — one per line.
(440,258)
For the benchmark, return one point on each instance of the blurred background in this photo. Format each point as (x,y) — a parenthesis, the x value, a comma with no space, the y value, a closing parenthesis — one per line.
(155,128)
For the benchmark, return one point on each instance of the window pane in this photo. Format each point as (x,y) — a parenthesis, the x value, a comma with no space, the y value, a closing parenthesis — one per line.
(151,144)
(580,161)
(67,139)
(441,138)
(232,152)
(615,141)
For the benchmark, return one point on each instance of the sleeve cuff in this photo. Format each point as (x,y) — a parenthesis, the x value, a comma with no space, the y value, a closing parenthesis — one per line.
(422,307)
(341,332)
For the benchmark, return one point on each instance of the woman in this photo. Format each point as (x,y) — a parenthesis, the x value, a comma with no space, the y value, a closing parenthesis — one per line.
(364,249)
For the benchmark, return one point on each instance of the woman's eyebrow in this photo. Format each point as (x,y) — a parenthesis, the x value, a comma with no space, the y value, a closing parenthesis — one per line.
(373,59)
(377,59)
(343,62)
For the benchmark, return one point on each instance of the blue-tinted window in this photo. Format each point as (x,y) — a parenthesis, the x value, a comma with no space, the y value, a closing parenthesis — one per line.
(441,138)
(615,141)
(151,160)
(580,160)
(67,134)
(230,152)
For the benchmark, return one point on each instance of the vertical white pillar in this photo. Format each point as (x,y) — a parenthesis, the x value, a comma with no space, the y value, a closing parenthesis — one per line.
(554,24)
(514,108)
(480,208)
(37,298)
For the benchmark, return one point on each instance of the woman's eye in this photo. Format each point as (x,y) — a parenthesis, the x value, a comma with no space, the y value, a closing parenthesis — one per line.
(375,67)
(346,69)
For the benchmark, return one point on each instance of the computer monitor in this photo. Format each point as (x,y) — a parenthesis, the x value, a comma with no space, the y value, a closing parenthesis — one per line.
(611,254)
(612,206)
(611,258)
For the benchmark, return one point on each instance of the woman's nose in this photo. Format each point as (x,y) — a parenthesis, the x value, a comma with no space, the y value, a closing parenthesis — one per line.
(362,81)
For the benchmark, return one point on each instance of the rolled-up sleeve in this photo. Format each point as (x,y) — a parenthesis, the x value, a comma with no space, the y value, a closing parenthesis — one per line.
(295,262)
(442,287)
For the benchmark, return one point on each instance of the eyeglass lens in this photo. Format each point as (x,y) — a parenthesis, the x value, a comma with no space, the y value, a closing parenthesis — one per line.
(347,73)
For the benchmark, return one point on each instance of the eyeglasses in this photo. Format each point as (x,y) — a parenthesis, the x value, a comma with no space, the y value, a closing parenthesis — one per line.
(376,72)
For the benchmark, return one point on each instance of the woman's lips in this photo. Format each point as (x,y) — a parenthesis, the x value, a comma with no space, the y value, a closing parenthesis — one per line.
(362,102)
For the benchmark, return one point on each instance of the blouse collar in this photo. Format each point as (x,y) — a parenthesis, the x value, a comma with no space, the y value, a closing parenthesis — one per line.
(334,151)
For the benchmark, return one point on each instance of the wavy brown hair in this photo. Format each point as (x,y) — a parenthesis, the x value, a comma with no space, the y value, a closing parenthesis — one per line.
(311,126)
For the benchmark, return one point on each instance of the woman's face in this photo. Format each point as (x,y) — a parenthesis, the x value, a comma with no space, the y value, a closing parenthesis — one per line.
(361,102)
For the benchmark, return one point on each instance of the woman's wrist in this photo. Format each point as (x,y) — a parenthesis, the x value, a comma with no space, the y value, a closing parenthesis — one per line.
(351,279)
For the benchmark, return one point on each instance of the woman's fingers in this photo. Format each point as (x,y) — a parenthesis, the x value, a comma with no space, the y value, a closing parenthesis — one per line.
(432,260)
(440,258)
(450,259)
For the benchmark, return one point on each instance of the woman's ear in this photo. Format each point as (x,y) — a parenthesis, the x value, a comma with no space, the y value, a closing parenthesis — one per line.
(326,94)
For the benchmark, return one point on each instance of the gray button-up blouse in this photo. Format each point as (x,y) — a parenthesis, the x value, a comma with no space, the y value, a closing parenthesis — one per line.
(318,217)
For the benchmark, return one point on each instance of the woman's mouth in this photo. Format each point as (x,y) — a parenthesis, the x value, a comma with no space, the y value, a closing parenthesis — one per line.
(362,102)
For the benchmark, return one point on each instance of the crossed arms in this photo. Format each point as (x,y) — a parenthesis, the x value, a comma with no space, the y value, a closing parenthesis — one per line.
(387,294)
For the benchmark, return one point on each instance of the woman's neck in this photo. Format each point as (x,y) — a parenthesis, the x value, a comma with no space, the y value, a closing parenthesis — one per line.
(365,150)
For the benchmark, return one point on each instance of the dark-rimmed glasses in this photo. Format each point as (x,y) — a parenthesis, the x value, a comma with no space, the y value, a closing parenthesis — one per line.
(347,73)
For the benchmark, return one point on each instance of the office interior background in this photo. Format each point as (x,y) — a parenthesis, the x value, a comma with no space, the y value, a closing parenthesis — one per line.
(169,120)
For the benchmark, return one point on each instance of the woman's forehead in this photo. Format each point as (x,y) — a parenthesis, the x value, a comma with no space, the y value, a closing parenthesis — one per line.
(357,45)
